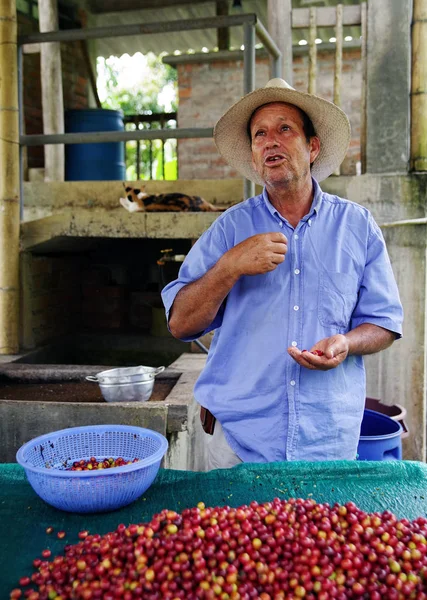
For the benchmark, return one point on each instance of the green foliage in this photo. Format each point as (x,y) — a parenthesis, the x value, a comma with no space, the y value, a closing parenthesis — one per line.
(143,96)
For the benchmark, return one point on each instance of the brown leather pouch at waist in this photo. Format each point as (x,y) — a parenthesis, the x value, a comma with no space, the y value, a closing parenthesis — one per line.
(208,420)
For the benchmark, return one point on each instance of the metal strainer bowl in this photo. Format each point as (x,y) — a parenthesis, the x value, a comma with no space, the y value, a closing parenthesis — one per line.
(129,384)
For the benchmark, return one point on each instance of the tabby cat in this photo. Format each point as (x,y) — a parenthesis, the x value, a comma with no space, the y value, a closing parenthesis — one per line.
(139,201)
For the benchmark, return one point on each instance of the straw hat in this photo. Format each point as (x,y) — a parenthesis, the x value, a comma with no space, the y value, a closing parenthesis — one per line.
(330,123)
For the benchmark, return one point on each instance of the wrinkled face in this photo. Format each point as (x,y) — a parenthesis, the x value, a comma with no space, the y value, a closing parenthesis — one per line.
(280,151)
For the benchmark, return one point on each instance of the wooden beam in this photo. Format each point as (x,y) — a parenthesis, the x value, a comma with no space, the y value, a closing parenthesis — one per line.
(52,95)
(90,72)
(223,34)
(279,27)
(363,105)
(9,180)
(326,16)
(338,64)
(106,6)
(312,52)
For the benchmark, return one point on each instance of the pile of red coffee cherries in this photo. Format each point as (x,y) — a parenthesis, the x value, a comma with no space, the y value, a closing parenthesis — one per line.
(102,463)
(278,550)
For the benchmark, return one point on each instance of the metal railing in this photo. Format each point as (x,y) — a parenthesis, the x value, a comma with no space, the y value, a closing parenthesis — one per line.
(252,28)
(141,119)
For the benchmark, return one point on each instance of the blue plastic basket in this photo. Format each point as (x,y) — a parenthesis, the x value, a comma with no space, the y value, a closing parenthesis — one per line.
(46,458)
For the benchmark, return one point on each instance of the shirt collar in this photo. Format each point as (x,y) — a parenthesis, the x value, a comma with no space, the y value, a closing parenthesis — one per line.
(315,205)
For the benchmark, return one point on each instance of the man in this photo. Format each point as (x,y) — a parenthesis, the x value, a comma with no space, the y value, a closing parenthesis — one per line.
(297,284)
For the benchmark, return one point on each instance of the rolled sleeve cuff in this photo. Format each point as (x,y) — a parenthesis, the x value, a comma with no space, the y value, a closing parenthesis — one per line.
(385,323)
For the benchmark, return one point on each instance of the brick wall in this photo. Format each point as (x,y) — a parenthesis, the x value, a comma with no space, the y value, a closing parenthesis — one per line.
(75,86)
(206,90)
(50,296)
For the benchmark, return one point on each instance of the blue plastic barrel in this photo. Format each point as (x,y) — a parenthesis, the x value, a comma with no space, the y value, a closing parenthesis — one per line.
(380,437)
(94,162)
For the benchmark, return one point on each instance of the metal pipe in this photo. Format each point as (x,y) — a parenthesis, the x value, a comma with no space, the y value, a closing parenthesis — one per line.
(248,84)
(72,35)
(138,159)
(201,346)
(267,41)
(420,221)
(97,137)
(248,189)
(163,159)
(248,58)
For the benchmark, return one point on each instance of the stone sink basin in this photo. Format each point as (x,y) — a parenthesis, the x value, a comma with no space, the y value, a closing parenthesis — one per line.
(37,399)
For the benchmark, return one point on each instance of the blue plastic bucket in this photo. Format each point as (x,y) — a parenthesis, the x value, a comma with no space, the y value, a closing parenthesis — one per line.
(94,162)
(380,437)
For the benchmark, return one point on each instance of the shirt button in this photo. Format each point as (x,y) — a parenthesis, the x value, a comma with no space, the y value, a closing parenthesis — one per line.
(296,236)
(309,222)
(292,382)
(280,224)
(294,344)
(297,271)
(296,307)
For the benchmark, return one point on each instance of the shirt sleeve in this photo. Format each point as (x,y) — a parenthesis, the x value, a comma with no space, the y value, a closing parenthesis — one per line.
(203,256)
(378,302)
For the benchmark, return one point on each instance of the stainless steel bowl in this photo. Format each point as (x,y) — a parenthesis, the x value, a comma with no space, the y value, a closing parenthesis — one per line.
(128,384)
(139,391)
(126,375)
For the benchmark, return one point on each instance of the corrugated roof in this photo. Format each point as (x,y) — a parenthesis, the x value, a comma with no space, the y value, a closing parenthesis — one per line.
(188,40)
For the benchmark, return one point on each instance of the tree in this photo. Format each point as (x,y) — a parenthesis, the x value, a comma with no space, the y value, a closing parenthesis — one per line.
(141,85)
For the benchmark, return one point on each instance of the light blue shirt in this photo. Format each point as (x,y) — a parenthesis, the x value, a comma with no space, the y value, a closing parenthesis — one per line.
(336,276)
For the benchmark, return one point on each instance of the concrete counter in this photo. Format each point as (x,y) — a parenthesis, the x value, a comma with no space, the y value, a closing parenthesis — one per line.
(175,416)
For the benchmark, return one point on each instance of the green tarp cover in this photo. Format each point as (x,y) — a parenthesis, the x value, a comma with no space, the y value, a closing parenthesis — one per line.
(400,486)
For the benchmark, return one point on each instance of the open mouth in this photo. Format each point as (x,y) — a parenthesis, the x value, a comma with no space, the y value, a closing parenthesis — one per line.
(274,159)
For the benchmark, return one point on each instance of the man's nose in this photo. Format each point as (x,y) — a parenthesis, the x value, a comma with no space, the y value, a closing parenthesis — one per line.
(271,139)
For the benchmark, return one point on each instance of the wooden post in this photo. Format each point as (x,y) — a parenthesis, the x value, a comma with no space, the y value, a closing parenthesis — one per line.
(338,62)
(338,57)
(9,181)
(312,52)
(279,15)
(52,96)
(223,34)
(419,87)
(364,19)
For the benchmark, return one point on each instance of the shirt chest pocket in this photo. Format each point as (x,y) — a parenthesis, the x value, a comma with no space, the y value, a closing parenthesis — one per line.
(337,298)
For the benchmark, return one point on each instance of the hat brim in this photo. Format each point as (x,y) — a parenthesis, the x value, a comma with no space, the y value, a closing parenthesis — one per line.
(330,123)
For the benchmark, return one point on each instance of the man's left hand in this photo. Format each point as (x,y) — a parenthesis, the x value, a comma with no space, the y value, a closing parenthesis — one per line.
(331,352)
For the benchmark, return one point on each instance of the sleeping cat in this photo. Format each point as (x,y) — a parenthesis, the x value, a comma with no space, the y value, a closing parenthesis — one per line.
(139,201)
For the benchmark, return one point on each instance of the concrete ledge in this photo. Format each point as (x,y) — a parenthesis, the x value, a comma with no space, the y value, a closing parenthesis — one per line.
(41,233)
(45,198)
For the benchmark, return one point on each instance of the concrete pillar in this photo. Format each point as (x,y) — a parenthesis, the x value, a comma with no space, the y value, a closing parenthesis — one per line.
(280,28)
(398,375)
(9,180)
(388,86)
(52,96)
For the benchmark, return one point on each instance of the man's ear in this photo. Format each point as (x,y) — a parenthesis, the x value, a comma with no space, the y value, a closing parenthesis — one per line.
(314,148)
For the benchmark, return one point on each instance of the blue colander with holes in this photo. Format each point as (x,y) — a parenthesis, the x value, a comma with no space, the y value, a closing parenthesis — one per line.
(47,458)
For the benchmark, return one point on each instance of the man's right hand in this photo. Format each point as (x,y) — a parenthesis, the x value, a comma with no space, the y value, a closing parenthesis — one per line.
(256,255)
